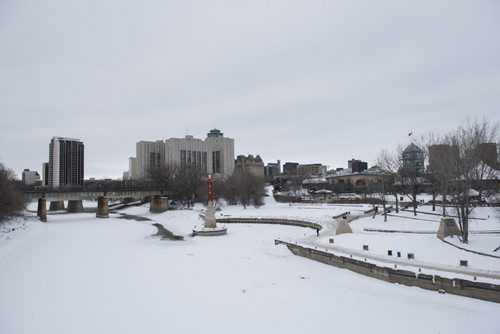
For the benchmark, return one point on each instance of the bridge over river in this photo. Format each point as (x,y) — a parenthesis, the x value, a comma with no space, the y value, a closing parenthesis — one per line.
(74,196)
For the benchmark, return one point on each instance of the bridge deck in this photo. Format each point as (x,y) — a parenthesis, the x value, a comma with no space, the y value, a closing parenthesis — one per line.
(58,195)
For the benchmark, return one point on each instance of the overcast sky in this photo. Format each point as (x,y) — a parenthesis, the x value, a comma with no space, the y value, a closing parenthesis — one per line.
(304,81)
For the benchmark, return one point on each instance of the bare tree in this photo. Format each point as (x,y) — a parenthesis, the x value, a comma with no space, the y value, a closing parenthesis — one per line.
(468,138)
(391,163)
(186,183)
(377,191)
(486,135)
(294,183)
(162,175)
(246,188)
(219,186)
(443,162)
(410,177)
(12,203)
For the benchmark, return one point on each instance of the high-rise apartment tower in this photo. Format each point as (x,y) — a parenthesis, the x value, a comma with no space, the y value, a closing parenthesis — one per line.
(66,161)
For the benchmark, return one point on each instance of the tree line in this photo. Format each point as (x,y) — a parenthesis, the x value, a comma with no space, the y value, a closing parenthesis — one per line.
(187,185)
(12,203)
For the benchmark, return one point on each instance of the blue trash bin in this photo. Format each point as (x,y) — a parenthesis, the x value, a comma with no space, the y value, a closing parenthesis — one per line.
(399,254)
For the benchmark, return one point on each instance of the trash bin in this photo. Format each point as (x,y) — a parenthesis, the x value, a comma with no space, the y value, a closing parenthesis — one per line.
(389,252)
(399,254)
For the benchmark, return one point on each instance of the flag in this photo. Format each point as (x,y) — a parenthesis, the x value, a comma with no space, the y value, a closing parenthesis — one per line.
(410,134)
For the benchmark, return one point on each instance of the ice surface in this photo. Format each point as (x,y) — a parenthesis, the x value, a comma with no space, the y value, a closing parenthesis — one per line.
(79,274)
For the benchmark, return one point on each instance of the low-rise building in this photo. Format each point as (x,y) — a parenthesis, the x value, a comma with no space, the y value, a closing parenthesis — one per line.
(272,169)
(311,170)
(31,177)
(249,163)
(357,165)
(290,168)
(45,174)
(371,180)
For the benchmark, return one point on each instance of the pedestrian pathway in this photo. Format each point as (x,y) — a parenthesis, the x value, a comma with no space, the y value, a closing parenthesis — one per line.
(322,242)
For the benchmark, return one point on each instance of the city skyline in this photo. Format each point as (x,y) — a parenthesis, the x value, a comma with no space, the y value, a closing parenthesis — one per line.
(316,82)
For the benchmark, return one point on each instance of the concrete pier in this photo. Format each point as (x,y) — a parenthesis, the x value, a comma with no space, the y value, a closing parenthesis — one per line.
(343,226)
(447,227)
(39,207)
(75,206)
(158,204)
(102,207)
(42,209)
(56,205)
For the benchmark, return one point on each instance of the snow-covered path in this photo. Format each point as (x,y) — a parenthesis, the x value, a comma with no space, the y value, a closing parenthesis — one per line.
(79,274)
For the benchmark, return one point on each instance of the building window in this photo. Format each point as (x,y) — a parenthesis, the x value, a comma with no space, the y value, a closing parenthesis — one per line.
(216,162)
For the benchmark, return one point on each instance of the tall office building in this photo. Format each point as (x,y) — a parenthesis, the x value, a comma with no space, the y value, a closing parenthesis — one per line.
(66,162)
(221,150)
(150,156)
(214,155)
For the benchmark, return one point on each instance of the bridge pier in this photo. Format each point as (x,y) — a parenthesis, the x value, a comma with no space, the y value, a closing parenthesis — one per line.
(42,209)
(102,207)
(158,204)
(56,205)
(75,206)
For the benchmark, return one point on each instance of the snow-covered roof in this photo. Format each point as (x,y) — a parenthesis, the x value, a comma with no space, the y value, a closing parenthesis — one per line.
(412,148)
(473,192)
(323,191)
(314,180)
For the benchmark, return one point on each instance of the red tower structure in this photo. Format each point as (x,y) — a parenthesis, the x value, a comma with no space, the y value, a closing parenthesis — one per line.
(210,223)
(210,189)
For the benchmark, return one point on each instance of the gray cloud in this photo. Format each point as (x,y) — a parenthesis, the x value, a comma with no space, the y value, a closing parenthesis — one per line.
(315,81)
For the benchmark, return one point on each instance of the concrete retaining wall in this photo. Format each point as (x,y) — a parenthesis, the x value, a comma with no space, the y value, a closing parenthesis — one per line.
(275,221)
(333,200)
(461,287)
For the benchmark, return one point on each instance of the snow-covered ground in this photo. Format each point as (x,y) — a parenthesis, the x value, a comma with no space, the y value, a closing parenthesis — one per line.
(80,274)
